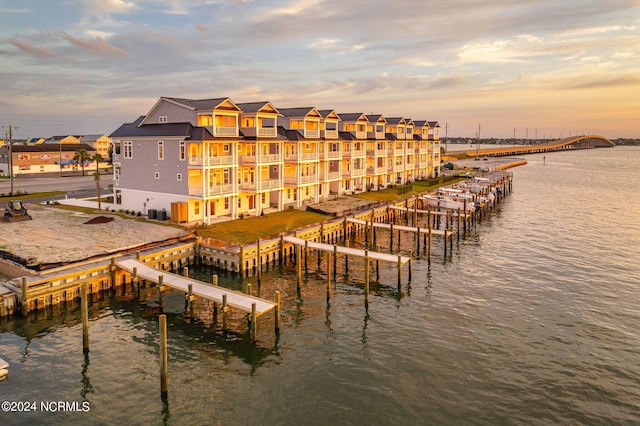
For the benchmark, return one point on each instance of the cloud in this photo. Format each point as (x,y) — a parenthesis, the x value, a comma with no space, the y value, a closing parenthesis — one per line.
(38,52)
(202,28)
(97,45)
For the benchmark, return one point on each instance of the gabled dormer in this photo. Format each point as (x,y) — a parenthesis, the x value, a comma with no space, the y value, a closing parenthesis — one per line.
(377,127)
(355,123)
(409,128)
(304,120)
(396,127)
(330,124)
(434,130)
(421,129)
(259,119)
(218,115)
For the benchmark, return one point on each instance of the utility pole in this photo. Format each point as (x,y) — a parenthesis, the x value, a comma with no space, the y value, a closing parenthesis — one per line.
(10,134)
(446,137)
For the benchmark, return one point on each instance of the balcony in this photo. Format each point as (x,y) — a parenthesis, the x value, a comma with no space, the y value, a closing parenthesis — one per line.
(331,176)
(211,191)
(312,134)
(225,160)
(396,167)
(293,180)
(355,153)
(378,170)
(303,156)
(264,185)
(263,158)
(354,173)
(325,155)
(225,131)
(331,134)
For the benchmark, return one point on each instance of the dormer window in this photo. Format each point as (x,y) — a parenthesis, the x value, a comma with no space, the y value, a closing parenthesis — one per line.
(205,120)
(162,119)
(296,124)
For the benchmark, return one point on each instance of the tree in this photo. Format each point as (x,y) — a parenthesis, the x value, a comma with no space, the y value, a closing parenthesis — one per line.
(96,177)
(98,159)
(81,156)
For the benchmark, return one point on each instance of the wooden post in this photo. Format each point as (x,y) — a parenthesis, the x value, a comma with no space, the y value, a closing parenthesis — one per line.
(366,233)
(249,289)
(335,261)
(299,264)
(25,308)
(191,299)
(346,259)
(112,269)
(366,279)
(322,232)
(281,248)
(254,325)
(319,257)
(258,260)
(418,241)
(391,238)
(277,313)
(458,223)
(138,255)
(134,277)
(329,255)
(344,228)
(85,318)
(160,299)
(306,257)
(371,233)
(163,355)
(429,245)
(399,270)
(185,271)
(377,264)
(445,243)
(241,262)
(214,280)
(224,311)
(410,260)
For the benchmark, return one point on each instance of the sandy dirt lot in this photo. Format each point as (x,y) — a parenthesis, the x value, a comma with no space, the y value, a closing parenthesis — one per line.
(56,235)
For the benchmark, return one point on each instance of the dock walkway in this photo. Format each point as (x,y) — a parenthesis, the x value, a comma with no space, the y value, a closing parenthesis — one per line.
(413,229)
(235,299)
(347,250)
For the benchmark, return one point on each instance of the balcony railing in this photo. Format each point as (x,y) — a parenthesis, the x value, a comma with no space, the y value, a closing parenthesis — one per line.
(293,180)
(302,156)
(354,172)
(265,184)
(311,133)
(355,153)
(332,175)
(212,190)
(330,154)
(226,131)
(267,132)
(331,134)
(227,160)
(263,158)
(378,170)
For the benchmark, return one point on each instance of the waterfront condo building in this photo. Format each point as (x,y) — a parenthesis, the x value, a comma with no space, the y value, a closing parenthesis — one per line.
(207,160)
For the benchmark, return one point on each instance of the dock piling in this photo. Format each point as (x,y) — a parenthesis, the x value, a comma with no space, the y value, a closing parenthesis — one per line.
(164,370)
(85,319)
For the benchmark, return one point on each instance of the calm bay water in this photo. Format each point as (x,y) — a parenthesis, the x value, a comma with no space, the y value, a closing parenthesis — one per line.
(533,319)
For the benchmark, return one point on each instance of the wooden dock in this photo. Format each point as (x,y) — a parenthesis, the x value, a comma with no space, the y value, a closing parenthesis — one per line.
(423,230)
(233,298)
(348,251)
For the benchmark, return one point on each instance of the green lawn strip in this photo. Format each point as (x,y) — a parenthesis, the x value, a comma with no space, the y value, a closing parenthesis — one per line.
(90,210)
(248,230)
(6,197)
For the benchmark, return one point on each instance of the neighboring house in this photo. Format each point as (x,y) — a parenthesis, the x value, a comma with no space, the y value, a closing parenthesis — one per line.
(212,159)
(42,158)
(64,139)
(101,143)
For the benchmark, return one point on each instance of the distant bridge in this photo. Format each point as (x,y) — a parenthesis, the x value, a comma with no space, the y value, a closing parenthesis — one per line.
(566,144)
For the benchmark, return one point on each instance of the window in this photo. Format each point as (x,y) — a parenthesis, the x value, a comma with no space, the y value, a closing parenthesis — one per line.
(239,202)
(117,171)
(225,121)
(128,149)
(226,202)
(182,153)
(264,198)
(311,125)
(248,122)
(160,150)
(205,120)
(157,175)
(361,127)
(116,148)
(196,208)
(225,147)
(296,124)
(349,127)
(162,119)
(179,177)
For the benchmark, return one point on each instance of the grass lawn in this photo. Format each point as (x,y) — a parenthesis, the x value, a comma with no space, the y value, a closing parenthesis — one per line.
(90,210)
(242,231)
(6,197)
(418,187)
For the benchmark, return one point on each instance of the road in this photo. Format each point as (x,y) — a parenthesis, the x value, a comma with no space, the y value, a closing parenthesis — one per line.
(74,186)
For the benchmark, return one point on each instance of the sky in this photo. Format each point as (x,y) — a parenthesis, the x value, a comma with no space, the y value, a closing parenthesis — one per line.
(529,68)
